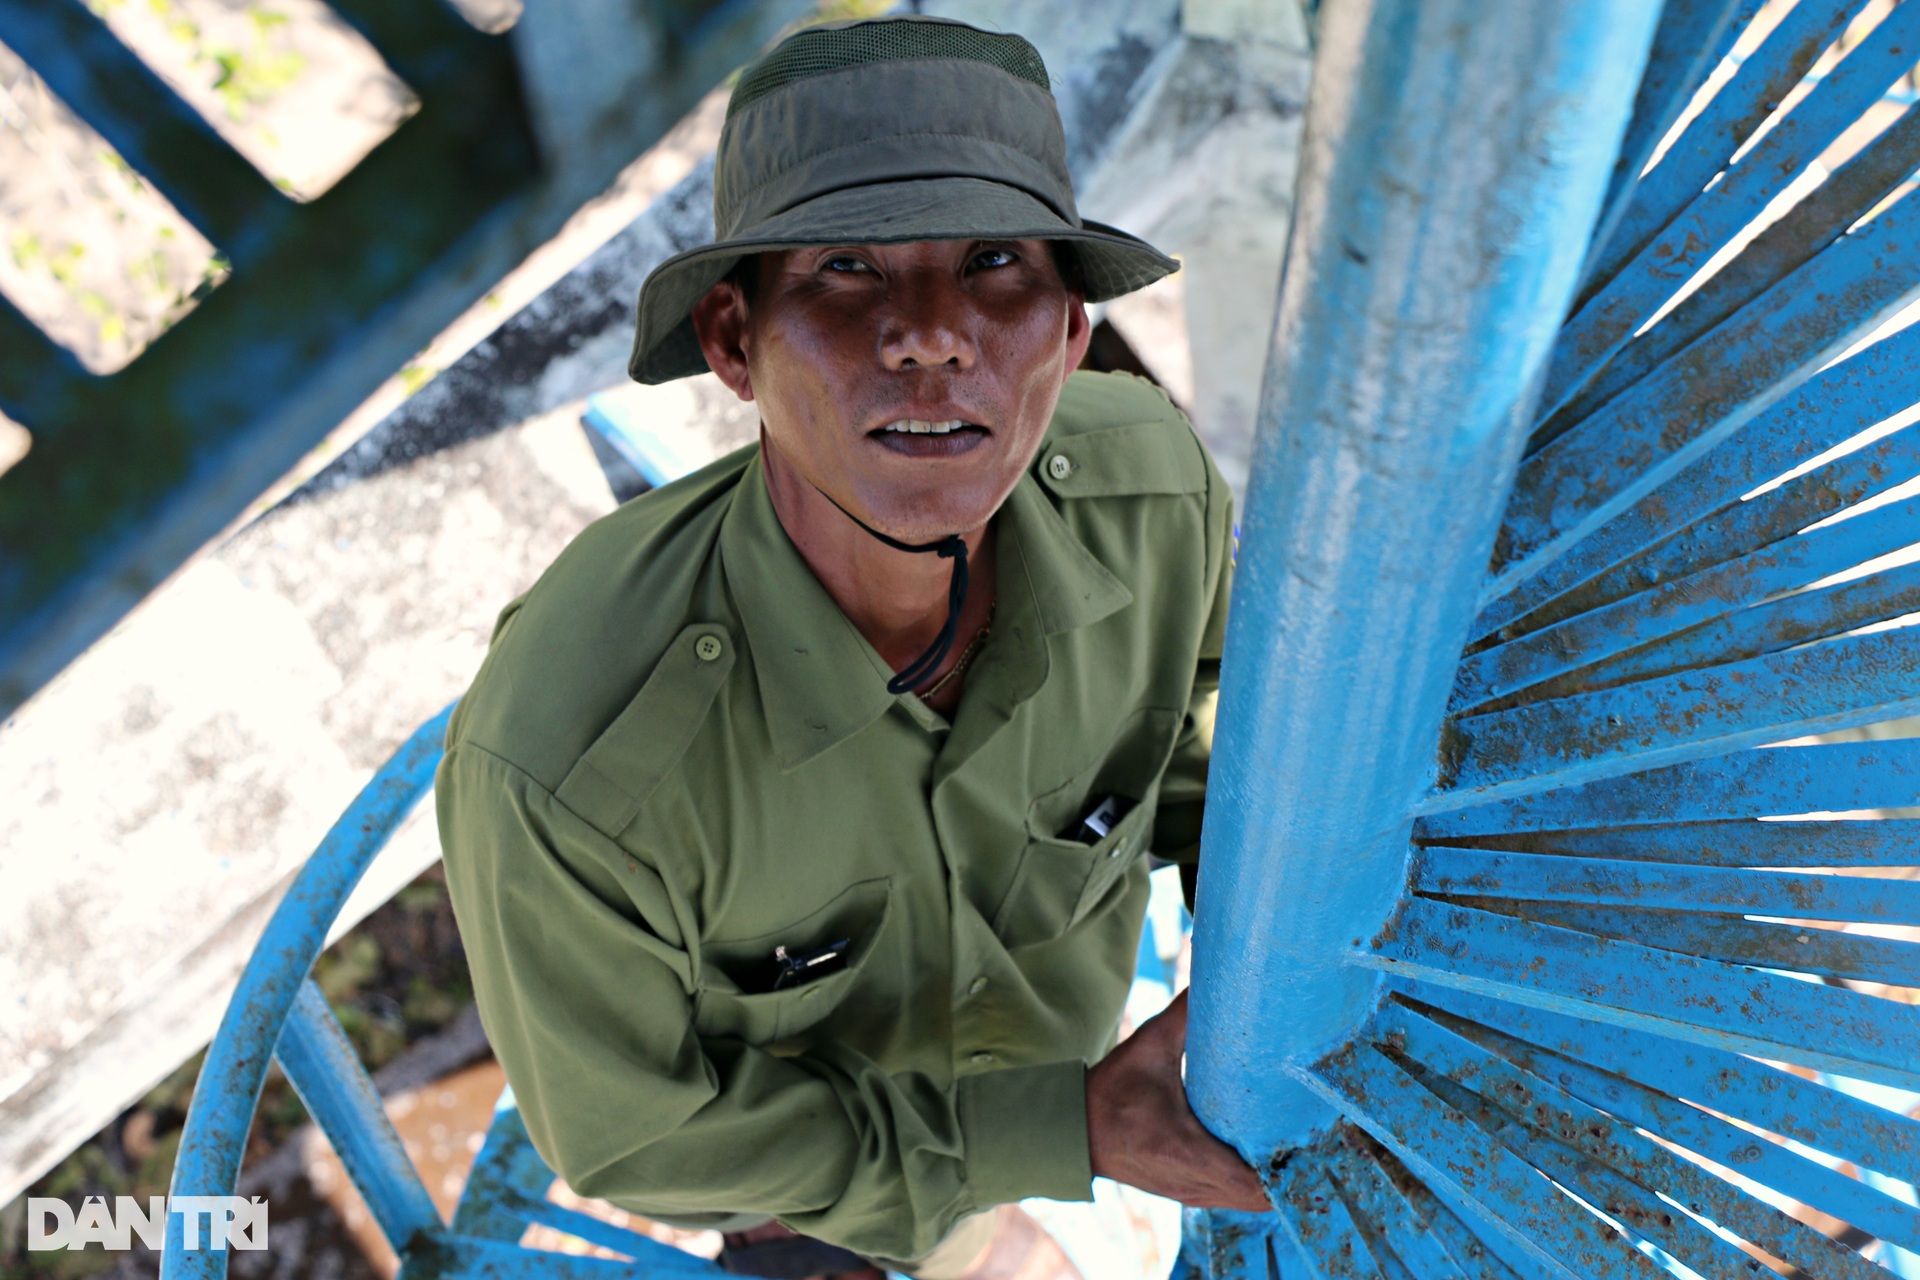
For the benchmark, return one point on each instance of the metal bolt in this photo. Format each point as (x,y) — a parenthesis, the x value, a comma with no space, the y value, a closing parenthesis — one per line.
(708,648)
(1059,466)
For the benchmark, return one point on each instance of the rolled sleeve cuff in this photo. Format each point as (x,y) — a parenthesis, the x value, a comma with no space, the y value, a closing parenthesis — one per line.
(1026,1134)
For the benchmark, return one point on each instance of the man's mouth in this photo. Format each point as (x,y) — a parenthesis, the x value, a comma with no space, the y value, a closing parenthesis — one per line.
(919,438)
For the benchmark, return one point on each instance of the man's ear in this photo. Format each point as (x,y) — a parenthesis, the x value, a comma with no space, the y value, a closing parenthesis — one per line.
(720,322)
(1079,329)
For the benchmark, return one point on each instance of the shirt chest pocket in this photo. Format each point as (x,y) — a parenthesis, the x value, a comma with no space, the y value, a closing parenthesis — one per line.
(734,997)
(1060,880)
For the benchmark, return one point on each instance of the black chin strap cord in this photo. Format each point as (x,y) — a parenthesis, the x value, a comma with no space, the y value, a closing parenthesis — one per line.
(952,547)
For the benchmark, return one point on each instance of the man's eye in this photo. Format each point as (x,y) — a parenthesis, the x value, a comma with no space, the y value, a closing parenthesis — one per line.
(994,258)
(844,262)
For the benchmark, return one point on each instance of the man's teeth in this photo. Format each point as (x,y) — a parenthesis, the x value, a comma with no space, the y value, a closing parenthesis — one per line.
(915,426)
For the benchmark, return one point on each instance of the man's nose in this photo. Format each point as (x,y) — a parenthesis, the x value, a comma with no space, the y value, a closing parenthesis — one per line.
(928,325)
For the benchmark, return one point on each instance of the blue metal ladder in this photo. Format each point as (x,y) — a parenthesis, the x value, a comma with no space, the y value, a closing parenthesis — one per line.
(1498,972)
(1511,951)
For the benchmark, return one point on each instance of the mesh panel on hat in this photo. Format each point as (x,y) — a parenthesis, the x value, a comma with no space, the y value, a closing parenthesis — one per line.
(816,52)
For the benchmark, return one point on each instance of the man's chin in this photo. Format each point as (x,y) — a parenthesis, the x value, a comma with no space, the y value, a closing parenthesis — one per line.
(932,514)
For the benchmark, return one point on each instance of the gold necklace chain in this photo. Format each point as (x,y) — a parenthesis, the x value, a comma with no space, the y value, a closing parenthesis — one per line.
(966,658)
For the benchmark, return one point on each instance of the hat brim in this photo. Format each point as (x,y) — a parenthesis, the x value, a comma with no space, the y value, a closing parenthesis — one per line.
(664,347)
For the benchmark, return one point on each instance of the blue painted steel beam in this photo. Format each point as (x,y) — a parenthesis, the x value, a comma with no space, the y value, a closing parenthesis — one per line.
(1387,1213)
(1746,526)
(1830,778)
(1685,602)
(1603,882)
(1609,1163)
(1728,120)
(1822,217)
(1693,36)
(1539,1223)
(1689,715)
(1324,1227)
(324,1069)
(221,1112)
(1419,302)
(1785,947)
(1609,319)
(1769,1163)
(1650,433)
(1835,405)
(1741,842)
(1717,1005)
(1779,624)
(1770,1099)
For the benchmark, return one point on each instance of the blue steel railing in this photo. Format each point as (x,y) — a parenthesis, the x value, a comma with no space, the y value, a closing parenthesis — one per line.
(1519,951)
(1421,299)
(274,994)
(278,1014)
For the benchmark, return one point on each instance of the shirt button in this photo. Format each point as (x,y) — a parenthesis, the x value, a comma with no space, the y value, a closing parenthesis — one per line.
(1059,466)
(982,1058)
(975,987)
(708,648)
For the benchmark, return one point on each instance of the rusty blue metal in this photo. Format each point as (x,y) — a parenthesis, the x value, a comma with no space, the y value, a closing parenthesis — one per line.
(1646,435)
(1420,300)
(1546,877)
(1773,1164)
(1780,624)
(1692,38)
(1527,1216)
(1603,1158)
(1610,317)
(1848,195)
(1742,526)
(277,1013)
(1830,408)
(1670,993)
(1684,601)
(1831,778)
(221,1112)
(1736,842)
(1775,1101)
(1732,116)
(323,1068)
(1820,688)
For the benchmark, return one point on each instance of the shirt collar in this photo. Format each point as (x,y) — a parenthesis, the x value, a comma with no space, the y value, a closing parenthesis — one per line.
(820,681)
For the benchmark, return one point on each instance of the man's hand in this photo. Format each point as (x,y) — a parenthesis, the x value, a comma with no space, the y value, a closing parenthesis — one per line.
(1141,1131)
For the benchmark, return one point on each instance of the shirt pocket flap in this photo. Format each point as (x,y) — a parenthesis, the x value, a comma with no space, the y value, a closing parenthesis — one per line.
(723,1007)
(1120,849)
(1059,880)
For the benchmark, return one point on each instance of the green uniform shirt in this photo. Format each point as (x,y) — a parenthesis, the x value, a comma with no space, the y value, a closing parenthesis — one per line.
(680,755)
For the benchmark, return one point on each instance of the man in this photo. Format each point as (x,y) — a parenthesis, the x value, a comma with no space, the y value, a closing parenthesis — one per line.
(797,823)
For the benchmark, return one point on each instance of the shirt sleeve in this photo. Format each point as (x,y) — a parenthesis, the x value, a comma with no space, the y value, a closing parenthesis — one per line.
(1183,788)
(581,966)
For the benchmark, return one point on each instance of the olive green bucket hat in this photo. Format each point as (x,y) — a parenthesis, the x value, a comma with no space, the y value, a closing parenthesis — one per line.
(883,131)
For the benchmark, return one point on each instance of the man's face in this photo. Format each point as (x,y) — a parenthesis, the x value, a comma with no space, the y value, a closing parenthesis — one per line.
(912,383)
